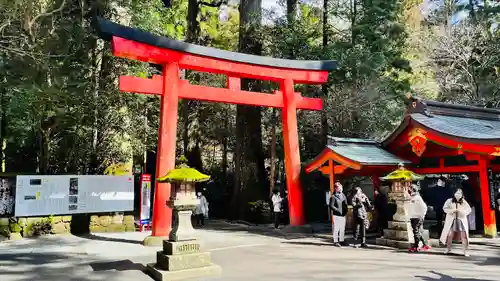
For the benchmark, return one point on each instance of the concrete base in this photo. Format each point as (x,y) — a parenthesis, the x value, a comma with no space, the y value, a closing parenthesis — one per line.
(182,262)
(163,275)
(402,244)
(154,241)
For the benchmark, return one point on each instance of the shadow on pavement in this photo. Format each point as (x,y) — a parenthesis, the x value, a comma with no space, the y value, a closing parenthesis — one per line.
(120,265)
(444,277)
(108,239)
(43,266)
(253,229)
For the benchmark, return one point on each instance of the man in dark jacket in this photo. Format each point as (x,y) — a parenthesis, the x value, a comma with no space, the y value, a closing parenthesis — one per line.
(380,203)
(338,206)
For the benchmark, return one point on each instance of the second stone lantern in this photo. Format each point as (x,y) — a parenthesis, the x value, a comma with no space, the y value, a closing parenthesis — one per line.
(181,257)
(399,234)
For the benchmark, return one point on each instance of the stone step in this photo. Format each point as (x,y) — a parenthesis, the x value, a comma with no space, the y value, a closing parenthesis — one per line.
(159,274)
(399,225)
(393,243)
(402,235)
(182,262)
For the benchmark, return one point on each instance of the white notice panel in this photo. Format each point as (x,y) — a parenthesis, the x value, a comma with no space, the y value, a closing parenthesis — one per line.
(55,195)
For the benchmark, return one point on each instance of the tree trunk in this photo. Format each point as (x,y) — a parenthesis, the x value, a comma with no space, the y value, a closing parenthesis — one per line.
(272,172)
(324,87)
(3,127)
(250,170)
(192,36)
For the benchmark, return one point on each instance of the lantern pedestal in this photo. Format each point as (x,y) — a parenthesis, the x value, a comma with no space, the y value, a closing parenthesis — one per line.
(181,257)
(399,234)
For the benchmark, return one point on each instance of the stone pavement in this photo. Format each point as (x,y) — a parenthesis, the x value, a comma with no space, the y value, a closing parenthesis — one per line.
(243,255)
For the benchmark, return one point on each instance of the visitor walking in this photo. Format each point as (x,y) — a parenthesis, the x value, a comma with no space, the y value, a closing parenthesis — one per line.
(201,211)
(276,199)
(416,211)
(456,226)
(338,206)
(361,205)
(380,203)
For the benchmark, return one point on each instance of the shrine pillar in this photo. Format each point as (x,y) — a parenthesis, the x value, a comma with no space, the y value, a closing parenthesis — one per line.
(292,153)
(490,227)
(165,161)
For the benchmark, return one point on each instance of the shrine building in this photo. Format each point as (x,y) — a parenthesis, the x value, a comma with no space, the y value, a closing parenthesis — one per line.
(434,138)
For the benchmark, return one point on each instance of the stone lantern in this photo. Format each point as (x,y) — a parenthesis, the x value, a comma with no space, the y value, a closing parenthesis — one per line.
(399,235)
(181,257)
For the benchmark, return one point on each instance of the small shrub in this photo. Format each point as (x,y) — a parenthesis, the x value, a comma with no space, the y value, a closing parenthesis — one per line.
(43,227)
(259,211)
(15,228)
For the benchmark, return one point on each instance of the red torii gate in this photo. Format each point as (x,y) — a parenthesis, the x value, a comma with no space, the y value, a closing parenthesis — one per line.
(174,55)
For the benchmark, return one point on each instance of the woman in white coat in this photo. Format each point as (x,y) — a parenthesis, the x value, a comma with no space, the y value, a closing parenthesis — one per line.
(456,224)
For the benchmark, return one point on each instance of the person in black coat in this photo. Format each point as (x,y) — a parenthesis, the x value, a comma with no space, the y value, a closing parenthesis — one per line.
(380,203)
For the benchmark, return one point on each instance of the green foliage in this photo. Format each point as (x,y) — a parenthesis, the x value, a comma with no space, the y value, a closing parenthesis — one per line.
(259,212)
(15,228)
(43,227)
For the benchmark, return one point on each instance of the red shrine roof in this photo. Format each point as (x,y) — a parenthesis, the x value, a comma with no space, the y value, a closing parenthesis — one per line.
(461,122)
(448,129)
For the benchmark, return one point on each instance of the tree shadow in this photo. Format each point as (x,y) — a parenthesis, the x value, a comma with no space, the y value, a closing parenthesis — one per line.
(445,277)
(120,265)
(108,239)
(65,266)
(252,229)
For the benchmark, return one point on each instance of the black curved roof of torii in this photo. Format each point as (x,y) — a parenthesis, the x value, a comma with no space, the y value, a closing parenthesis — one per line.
(108,29)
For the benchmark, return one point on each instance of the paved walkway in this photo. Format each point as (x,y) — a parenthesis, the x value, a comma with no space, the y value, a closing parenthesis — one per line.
(243,256)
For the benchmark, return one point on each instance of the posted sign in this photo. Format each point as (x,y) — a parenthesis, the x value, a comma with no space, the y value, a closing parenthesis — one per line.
(145,198)
(73,194)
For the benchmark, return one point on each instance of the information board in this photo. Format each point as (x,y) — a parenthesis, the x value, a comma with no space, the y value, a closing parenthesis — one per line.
(73,194)
(493,185)
(145,198)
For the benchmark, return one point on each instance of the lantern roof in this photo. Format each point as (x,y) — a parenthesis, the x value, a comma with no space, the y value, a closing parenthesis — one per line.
(184,173)
(402,174)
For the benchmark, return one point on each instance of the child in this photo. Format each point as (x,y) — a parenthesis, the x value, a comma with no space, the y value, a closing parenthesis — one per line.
(416,211)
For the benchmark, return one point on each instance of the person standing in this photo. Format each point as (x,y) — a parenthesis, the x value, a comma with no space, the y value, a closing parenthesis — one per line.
(360,205)
(380,203)
(497,205)
(276,199)
(456,224)
(201,210)
(440,196)
(338,206)
(416,211)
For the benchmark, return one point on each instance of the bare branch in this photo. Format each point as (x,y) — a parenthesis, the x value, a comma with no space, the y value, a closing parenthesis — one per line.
(32,22)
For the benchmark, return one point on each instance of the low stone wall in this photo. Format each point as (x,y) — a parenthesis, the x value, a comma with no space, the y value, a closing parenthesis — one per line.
(112,223)
(23,227)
